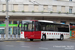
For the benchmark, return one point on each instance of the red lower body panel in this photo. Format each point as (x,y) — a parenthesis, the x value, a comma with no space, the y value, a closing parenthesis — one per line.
(32,35)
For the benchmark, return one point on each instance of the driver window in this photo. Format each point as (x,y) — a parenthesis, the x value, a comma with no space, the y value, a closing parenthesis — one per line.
(29,26)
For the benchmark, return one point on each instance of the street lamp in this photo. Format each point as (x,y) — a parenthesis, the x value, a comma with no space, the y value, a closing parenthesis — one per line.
(7,21)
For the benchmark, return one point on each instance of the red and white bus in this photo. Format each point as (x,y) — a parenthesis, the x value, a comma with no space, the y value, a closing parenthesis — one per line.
(43,29)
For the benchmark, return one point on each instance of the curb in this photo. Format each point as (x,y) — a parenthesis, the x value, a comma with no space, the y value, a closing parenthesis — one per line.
(13,40)
(72,38)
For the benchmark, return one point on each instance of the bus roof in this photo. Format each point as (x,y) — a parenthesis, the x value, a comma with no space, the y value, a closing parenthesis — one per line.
(51,22)
(47,21)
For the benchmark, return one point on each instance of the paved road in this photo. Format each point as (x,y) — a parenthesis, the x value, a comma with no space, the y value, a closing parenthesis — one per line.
(37,45)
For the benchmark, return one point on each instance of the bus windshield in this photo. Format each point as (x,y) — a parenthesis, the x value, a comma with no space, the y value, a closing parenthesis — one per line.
(27,26)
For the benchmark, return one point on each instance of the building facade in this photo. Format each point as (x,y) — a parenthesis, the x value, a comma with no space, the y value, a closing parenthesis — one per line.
(60,11)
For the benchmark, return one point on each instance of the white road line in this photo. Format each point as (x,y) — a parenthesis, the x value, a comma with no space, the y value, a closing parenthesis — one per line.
(43,48)
(26,46)
(10,45)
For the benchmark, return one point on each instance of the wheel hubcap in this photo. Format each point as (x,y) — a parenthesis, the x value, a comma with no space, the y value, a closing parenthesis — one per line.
(43,37)
(61,38)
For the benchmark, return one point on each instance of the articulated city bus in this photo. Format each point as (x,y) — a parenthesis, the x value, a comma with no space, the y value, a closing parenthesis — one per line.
(42,29)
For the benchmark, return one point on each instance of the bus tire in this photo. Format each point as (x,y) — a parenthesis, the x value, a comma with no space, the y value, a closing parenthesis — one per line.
(51,39)
(61,37)
(43,38)
(31,39)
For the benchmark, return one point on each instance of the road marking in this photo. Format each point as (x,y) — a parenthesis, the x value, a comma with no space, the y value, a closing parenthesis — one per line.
(43,48)
(26,46)
(10,45)
(23,41)
(19,41)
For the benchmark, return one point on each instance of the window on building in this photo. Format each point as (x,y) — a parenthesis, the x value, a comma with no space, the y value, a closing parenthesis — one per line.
(36,8)
(2,22)
(63,9)
(15,7)
(45,8)
(16,22)
(70,10)
(16,30)
(10,30)
(63,22)
(1,30)
(4,7)
(26,8)
(70,0)
(10,22)
(54,8)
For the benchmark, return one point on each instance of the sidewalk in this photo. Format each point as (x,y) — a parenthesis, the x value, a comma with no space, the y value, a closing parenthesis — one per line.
(72,38)
(1,40)
(12,40)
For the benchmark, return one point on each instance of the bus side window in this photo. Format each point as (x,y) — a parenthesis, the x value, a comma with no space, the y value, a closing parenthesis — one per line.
(39,27)
(36,25)
(43,28)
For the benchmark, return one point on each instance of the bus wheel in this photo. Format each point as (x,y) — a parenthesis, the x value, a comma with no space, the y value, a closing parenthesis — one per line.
(61,37)
(51,39)
(31,39)
(43,37)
